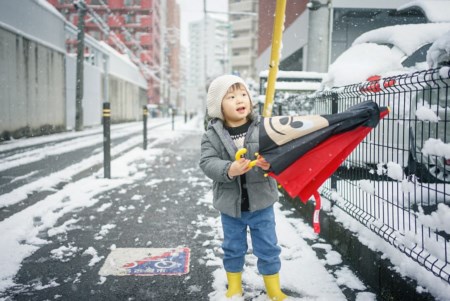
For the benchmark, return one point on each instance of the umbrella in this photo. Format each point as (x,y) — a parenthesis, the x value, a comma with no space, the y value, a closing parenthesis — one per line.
(304,151)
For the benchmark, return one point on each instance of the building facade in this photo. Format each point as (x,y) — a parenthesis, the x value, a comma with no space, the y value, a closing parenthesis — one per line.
(136,23)
(243,16)
(208,58)
(315,35)
(170,55)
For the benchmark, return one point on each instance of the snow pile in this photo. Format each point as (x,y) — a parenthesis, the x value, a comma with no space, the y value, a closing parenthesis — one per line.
(370,56)
(436,147)
(395,171)
(408,38)
(438,220)
(66,226)
(347,278)
(440,51)
(435,10)
(104,231)
(426,112)
(64,253)
(367,186)
(360,62)
(95,258)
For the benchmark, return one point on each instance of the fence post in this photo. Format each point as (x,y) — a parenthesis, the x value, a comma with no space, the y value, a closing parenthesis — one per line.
(107,139)
(334,110)
(144,118)
(173,119)
(334,103)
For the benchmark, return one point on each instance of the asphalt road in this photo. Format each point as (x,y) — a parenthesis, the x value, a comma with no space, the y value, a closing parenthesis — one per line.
(160,210)
(166,223)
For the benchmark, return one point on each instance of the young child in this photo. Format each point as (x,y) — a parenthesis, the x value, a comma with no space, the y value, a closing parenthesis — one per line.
(243,195)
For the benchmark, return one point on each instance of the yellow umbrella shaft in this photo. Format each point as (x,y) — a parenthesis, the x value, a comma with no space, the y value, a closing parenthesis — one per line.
(274,56)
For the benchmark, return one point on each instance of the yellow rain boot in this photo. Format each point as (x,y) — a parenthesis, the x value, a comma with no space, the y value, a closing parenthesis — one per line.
(273,289)
(234,284)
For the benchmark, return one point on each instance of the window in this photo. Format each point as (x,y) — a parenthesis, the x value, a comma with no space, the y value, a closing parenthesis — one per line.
(132,2)
(418,56)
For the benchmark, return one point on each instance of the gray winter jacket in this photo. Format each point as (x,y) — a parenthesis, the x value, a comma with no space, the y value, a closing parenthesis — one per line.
(217,154)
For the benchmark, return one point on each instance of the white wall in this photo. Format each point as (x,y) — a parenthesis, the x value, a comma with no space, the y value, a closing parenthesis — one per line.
(92,94)
(32,68)
(34,20)
(37,78)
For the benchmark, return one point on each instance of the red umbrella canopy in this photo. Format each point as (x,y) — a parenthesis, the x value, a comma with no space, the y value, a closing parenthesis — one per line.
(304,151)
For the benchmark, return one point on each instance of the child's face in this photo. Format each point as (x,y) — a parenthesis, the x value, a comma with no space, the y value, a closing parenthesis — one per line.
(236,106)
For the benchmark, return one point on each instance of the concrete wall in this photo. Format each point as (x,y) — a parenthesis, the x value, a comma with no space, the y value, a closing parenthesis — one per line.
(126,97)
(38,78)
(31,86)
(92,94)
(32,68)
(36,20)
(126,100)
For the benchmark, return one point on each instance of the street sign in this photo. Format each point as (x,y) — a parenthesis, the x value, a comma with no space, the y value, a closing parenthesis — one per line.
(146,262)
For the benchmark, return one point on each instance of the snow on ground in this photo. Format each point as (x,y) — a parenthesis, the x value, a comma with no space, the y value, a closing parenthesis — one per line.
(303,273)
(402,263)
(20,232)
(66,174)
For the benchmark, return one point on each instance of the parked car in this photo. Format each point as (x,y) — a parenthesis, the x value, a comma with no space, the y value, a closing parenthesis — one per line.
(376,60)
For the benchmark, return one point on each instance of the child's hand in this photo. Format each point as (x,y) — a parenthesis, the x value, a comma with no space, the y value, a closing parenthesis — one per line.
(261,162)
(239,167)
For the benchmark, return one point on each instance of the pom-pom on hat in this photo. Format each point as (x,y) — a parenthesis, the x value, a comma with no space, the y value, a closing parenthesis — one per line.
(217,91)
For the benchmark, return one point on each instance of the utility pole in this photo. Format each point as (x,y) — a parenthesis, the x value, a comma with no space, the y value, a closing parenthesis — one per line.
(318,35)
(81,6)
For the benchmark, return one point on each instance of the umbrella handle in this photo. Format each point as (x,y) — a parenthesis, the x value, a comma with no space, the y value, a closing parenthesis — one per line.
(316,221)
(240,154)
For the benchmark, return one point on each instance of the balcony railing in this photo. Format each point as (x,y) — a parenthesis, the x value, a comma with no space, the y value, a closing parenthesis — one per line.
(242,6)
(245,42)
(244,24)
(241,60)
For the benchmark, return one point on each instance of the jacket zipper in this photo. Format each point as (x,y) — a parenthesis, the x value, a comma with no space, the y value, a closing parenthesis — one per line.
(249,132)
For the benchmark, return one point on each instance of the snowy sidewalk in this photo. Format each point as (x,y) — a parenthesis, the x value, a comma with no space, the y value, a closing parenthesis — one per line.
(157,199)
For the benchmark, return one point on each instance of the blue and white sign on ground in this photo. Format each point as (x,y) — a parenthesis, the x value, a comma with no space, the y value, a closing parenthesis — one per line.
(146,262)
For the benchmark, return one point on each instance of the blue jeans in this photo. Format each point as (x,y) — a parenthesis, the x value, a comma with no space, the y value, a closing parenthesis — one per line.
(264,241)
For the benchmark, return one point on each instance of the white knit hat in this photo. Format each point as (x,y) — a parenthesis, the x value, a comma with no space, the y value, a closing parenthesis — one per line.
(217,91)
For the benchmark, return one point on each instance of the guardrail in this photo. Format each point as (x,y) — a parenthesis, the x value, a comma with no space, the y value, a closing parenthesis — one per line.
(397,182)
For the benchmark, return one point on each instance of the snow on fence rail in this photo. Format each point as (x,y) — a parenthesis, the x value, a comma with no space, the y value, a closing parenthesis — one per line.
(397,182)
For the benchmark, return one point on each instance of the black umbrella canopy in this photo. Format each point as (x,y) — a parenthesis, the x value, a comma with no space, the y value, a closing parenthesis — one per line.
(284,139)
